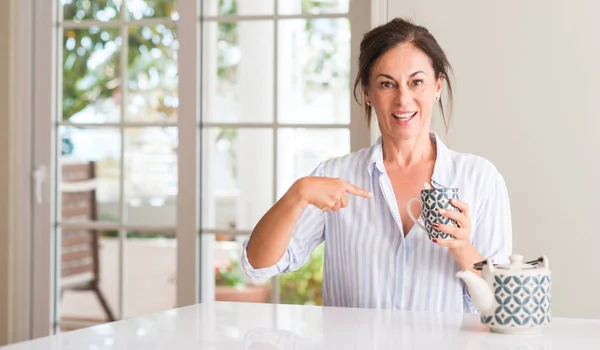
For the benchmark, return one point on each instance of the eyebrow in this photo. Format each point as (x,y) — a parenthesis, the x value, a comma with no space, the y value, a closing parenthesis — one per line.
(390,77)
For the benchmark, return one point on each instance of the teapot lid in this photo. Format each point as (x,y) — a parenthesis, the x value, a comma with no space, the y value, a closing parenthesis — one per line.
(516,263)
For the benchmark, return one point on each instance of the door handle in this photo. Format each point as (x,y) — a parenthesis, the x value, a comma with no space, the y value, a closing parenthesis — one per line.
(39,177)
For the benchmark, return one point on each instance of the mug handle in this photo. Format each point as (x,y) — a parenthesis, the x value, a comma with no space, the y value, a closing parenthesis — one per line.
(408,209)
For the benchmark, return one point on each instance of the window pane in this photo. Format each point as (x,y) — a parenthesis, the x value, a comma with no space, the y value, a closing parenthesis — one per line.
(238,72)
(90,174)
(314,71)
(139,9)
(299,152)
(99,10)
(237,7)
(152,74)
(237,177)
(90,78)
(294,7)
(231,283)
(88,257)
(150,273)
(151,175)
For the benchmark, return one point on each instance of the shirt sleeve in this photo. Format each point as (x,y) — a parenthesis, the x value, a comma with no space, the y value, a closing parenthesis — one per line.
(306,236)
(492,232)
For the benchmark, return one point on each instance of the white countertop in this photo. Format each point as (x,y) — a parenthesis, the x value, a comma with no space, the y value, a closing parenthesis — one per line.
(267,326)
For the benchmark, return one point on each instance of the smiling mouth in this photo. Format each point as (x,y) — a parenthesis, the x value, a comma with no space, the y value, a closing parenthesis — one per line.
(404,117)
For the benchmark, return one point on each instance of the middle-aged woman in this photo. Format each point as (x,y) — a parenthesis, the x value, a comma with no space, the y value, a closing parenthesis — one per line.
(375,257)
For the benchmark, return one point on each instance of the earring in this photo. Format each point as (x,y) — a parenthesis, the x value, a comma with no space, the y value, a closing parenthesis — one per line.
(368,103)
(437,98)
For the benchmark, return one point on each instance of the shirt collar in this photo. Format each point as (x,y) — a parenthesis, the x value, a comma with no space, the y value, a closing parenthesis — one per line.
(442,171)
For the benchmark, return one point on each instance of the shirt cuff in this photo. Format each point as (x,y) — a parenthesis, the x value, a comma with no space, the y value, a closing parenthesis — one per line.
(265,272)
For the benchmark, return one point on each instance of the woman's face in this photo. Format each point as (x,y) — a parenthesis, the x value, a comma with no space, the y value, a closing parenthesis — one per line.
(402,90)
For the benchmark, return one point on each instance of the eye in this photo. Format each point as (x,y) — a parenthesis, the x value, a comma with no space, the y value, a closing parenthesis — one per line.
(417,82)
(386,84)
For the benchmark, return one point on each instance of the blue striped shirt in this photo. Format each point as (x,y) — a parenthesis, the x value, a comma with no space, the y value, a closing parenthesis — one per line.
(369,263)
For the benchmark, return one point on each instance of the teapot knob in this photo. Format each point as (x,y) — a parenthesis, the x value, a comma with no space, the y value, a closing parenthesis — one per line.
(516,259)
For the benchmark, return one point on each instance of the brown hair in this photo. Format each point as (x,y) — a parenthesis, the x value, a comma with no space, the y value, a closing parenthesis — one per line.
(379,40)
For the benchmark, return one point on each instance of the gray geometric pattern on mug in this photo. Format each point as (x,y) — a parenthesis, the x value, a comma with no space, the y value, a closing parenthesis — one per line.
(434,200)
(523,301)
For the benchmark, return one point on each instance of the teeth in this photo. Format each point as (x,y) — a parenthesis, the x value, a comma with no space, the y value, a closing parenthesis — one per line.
(403,115)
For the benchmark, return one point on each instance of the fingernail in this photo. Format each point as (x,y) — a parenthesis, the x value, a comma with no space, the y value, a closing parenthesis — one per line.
(442,211)
(434,240)
(436,224)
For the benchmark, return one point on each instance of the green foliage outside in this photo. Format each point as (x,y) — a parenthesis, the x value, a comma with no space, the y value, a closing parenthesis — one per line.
(91,57)
(303,286)
(232,275)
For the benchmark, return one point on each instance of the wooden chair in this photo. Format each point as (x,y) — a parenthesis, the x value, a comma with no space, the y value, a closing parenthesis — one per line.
(80,247)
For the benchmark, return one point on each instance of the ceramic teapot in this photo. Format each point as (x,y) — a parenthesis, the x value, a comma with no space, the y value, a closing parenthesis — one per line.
(511,298)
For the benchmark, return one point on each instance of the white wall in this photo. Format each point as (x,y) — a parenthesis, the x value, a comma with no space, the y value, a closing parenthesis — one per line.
(527,98)
(4,174)
(12,297)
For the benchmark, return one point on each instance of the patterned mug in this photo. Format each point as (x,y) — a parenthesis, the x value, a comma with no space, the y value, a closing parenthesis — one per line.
(432,200)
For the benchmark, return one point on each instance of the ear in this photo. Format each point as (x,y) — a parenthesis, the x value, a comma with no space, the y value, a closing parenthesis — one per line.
(366,96)
(438,85)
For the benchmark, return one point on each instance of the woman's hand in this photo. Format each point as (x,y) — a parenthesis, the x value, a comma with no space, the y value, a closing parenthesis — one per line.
(462,232)
(326,193)
(461,248)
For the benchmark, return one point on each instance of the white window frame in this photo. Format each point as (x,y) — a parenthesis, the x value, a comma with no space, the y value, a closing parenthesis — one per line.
(42,105)
(44,95)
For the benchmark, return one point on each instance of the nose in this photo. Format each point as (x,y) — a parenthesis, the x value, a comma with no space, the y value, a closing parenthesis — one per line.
(403,96)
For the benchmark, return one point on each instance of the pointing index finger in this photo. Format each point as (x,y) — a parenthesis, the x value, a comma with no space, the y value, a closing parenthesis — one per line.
(350,188)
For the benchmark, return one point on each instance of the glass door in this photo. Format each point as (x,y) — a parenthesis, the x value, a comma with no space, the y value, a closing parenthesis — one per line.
(112,159)
(163,130)
(276,101)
